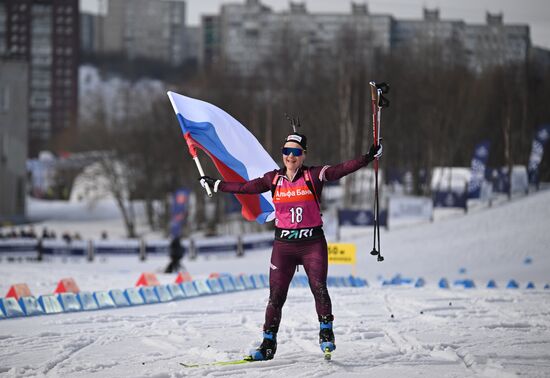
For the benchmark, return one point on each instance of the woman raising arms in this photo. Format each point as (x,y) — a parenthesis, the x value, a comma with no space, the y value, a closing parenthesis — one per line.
(299,238)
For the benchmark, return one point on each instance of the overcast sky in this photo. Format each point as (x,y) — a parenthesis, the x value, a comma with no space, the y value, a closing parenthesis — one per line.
(535,13)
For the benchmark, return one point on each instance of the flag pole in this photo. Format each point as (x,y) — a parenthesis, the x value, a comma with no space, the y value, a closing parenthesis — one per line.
(193,152)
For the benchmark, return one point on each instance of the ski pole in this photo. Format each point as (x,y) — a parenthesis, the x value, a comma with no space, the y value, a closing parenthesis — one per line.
(375,109)
(378,102)
(380,257)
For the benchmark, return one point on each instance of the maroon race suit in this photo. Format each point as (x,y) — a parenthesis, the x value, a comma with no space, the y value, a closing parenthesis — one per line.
(299,238)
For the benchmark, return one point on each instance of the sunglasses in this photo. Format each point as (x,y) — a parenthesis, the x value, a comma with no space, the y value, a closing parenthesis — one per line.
(290,150)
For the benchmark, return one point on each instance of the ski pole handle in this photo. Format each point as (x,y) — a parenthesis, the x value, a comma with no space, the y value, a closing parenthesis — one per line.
(374,92)
(374,103)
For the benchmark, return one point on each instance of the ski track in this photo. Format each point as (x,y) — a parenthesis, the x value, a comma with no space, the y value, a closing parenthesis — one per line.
(430,331)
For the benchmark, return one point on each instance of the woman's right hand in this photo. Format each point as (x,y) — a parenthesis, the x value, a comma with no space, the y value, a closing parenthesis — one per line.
(212,183)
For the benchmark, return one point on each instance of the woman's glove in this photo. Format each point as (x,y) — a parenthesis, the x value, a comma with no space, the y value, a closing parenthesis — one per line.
(212,183)
(374,152)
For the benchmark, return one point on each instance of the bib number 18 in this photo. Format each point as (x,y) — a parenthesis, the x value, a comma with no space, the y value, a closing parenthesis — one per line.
(296,214)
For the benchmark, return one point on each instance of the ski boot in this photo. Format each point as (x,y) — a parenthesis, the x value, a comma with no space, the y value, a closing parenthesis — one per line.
(326,335)
(267,349)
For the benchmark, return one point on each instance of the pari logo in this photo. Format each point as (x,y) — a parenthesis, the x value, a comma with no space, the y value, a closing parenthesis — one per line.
(297,234)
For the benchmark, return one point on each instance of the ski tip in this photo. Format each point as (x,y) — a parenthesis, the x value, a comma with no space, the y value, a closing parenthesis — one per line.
(189,365)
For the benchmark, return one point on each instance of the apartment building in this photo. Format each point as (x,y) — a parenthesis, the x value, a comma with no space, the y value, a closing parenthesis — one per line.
(45,33)
(244,34)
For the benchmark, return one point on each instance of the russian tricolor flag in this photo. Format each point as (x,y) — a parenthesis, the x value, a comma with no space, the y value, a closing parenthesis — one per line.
(237,154)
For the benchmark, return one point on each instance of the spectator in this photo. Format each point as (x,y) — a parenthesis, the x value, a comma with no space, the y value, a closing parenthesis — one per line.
(67,237)
(45,234)
(39,250)
(176,254)
(31,234)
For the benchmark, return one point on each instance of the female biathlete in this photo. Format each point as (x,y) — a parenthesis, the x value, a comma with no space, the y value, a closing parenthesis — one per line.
(299,238)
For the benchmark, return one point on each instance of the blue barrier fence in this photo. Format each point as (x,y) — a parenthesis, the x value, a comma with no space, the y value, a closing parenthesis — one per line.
(136,296)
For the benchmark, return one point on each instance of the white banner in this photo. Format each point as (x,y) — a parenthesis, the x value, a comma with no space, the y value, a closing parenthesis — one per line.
(408,209)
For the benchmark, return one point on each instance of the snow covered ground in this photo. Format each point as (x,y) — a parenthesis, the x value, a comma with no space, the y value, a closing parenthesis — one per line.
(380,331)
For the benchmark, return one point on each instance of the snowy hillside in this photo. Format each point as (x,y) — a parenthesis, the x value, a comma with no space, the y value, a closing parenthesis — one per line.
(381,331)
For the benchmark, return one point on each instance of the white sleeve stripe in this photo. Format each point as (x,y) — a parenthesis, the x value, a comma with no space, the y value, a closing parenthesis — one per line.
(322,173)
